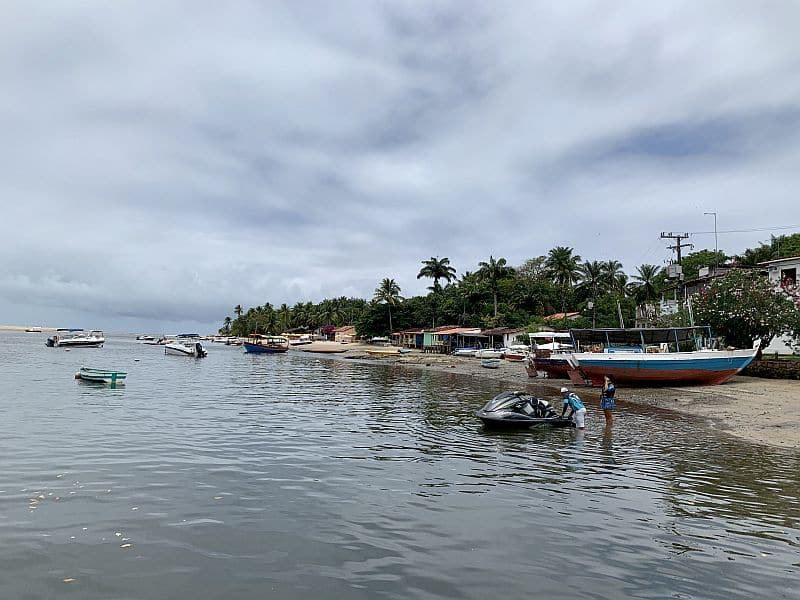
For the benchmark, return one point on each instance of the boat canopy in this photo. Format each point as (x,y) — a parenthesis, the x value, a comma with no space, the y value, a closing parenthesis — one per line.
(546,335)
(639,336)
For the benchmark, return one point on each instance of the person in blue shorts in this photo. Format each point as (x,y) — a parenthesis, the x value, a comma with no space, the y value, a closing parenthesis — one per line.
(607,399)
(577,409)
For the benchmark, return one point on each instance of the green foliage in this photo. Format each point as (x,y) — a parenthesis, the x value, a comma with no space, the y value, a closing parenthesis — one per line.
(782,246)
(743,306)
(692,263)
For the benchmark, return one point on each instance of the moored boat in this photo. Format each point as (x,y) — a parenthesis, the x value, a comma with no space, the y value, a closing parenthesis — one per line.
(265,344)
(387,351)
(102,376)
(194,349)
(658,356)
(491,363)
(77,339)
(488,353)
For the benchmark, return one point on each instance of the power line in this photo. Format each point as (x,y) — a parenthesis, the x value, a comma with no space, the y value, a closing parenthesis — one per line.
(780,227)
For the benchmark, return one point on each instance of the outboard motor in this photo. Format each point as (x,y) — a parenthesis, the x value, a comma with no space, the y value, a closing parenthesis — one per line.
(199,351)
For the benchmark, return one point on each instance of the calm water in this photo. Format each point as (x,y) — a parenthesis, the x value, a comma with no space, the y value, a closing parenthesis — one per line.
(292,476)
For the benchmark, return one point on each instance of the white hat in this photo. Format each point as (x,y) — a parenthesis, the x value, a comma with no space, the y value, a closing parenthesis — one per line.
(563,389)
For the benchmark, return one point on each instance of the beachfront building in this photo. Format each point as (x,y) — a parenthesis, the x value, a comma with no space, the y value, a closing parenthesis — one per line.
(782,273)
(409,338)
(443,340)
(345,334)
(506,337)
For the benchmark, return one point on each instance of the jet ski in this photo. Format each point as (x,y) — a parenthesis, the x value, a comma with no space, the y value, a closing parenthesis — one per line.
(520,410)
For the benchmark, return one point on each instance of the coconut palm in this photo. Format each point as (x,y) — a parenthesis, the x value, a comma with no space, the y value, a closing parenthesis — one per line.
(227,326)
(492,272)
(237,310)
(592,277)
(437,269)
(284,314)
(562,265)
(611,271)
(388,292)
(646,283)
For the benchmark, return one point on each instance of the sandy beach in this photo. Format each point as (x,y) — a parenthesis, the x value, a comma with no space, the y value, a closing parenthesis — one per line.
(763,411)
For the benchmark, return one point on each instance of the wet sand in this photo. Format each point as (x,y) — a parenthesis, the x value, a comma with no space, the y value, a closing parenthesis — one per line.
(763,411)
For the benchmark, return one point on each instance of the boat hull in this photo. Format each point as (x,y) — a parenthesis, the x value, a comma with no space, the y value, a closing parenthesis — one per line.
(509,420)
(259,349)
(101,376)
(679,368)
(555,367)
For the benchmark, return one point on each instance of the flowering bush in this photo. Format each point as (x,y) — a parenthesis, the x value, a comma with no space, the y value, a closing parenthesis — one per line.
(743,306)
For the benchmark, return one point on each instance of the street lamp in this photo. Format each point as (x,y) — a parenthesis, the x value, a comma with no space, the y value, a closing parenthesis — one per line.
(716,250)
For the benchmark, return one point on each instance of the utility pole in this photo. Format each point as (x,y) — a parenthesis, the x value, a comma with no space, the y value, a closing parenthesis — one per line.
(678,237)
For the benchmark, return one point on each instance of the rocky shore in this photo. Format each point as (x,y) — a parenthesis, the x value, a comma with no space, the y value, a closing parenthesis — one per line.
(763,411)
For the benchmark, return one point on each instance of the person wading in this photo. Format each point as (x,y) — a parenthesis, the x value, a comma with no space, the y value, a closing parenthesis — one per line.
(607,399)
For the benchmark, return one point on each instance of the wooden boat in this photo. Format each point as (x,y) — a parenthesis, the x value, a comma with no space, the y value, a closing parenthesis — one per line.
(101,376)
(515,355)
(549,355)
(265,344)
(491,363)
(325,349)
(387,351)
(77,339)
(656,356)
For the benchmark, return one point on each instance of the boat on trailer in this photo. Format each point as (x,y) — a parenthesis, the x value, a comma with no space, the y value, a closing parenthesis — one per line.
(655,356)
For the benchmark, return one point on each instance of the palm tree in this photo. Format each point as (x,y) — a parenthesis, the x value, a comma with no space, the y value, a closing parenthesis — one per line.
(592,274)
(436,269)
(562,265)
(646,283)
(284,314)
(492,272)
(237,310)
(612,269)
(227,326)
(388,292)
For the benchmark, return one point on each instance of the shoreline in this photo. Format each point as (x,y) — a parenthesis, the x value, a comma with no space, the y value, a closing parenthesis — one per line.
(760,411)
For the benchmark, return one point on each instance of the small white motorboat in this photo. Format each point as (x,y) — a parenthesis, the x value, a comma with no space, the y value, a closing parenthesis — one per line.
(77,339)
(488,353)
(194,349)
(490,363)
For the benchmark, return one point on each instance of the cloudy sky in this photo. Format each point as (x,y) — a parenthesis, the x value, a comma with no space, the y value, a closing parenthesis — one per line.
(164,161)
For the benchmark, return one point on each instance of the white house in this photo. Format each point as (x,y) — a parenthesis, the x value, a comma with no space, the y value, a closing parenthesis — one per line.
(782,273)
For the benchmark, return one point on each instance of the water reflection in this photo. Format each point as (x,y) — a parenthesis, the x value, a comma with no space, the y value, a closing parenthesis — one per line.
(297,476)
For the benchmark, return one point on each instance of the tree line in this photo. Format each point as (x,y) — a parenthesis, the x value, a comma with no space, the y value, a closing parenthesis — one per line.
(497,294)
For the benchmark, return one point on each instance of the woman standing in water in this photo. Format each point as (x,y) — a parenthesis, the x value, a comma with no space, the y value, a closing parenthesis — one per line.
(607,399)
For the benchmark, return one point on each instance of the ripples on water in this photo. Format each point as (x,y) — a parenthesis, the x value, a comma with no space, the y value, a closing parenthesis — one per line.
(299,477)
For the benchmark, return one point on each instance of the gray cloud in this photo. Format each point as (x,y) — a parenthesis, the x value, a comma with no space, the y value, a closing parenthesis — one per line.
(162,164)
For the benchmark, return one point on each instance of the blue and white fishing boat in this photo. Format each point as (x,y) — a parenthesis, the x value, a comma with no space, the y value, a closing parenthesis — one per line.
(266,344)
(658,356)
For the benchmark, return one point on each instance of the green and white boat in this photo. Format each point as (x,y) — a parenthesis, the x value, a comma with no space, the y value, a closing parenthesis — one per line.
(102,376)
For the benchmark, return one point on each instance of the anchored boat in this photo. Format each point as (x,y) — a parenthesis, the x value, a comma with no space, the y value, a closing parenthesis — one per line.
(101,376)
(76,339)
(266,344)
